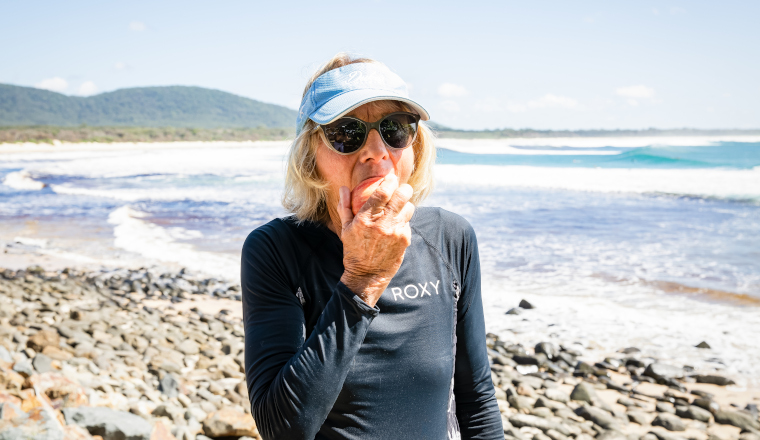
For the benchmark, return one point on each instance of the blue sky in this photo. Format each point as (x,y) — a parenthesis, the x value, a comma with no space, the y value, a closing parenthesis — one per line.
(473,65)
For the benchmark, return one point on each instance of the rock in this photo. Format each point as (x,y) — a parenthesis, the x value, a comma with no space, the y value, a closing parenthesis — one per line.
(695,413)
(707,404)
(611,434)
(714,379)
(557,395)
(640,417)
(227,423)
(670,422)
(5,356)
(665,435)
(547,348)
(556,435)
(42,339)
(500,394)
(503,360)
(598,416)
(56,353)
(37,424)
(521,402)
(514,311)
(526,305)
(42,363)
(160,432)
(24,368)
(660,371)
(543,412)
(188,347)
(526,360)
(108,423)
(169,385)
(735,418)
(523,420)
(703,344)
(10,411)
(664,407)
(584,392)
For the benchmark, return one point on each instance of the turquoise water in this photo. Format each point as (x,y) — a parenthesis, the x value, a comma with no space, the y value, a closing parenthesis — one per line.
(736,155)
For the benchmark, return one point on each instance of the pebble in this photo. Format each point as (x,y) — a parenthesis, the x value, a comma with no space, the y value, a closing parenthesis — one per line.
(85,340)
(669,421)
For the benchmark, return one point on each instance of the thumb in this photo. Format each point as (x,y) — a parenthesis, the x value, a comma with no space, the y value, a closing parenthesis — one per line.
(344,207)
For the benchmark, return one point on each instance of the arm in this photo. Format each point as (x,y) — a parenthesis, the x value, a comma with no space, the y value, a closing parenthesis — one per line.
(293,383)
(477,411)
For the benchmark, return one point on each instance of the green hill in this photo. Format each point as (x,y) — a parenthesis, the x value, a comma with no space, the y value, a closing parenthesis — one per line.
(173,106)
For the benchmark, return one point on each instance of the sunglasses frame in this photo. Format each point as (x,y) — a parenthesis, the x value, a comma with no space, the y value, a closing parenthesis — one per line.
(370,126)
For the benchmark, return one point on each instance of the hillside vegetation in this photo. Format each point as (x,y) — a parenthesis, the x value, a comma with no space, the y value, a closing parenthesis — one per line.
(172,106)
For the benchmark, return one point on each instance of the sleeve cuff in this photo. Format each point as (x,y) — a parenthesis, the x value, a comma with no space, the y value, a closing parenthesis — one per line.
(360,305)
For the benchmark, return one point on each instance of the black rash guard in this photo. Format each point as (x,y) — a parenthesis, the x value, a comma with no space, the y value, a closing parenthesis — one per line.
(322,364)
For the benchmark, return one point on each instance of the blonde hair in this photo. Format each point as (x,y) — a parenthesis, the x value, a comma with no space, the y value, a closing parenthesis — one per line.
(305,193)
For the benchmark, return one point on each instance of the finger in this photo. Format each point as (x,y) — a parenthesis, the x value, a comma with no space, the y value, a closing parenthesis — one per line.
(406,213)
(381,195)
(400,198)
(344,207)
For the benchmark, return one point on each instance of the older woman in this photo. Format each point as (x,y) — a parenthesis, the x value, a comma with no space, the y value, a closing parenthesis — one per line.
(363,316)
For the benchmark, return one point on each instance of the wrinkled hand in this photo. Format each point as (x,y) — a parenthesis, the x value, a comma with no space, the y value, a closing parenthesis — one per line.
(375,240)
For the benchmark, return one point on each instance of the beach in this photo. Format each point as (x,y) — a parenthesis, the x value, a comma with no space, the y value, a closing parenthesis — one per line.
(616,242)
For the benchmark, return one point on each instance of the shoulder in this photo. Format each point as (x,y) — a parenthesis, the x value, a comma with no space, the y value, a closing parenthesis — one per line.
(441,226)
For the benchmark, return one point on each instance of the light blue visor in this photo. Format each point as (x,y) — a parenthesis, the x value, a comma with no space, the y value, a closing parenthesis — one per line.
(339,91)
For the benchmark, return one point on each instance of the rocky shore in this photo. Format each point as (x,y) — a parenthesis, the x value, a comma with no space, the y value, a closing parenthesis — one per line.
(139,354)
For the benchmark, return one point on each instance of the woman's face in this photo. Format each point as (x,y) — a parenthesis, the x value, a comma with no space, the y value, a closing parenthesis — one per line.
(362,170)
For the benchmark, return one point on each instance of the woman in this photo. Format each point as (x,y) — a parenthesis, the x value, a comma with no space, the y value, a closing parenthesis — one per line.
(363,316)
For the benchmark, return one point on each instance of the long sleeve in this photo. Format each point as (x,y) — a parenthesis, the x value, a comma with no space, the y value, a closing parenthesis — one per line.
(477,410)
(293,382)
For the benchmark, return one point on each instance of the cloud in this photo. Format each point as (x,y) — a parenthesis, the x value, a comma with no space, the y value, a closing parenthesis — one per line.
(87,88)
(137,26)
(56,84)
(449,90)
(655,11)
(636,93)
(449,106)
(120,66)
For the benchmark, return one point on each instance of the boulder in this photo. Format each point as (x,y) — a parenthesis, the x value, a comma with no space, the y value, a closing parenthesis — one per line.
(550,350)
(735,418)
(584,392)
(660,371)
(640,417)
(525,305)
(598,416)
(169,385)
(714,379)
(695,413)
(42,363)
(42,339)
(108,423)
(523,420)
(228,423)
(557,395)
(670,422)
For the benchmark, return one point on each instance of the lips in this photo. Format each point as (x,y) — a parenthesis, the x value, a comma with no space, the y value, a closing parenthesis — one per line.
(363,191)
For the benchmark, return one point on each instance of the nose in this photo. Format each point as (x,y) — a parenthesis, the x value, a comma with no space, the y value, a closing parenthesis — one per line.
(374,149)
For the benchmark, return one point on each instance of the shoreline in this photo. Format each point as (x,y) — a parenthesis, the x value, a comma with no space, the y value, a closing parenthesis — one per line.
(90,339)
(471,145)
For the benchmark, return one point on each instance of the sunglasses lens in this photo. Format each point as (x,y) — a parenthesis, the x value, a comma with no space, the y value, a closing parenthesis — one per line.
(346,135)
(398,130)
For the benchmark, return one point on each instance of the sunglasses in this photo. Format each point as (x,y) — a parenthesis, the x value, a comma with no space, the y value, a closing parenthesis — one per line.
(348,135)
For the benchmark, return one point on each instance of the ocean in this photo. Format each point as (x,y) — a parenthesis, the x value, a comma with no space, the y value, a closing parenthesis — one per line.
(647,242)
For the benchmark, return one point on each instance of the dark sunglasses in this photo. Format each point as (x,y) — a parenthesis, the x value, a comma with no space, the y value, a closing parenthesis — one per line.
(347,135)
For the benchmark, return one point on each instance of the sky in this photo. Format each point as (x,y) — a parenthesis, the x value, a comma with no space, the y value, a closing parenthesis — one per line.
(472,65)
